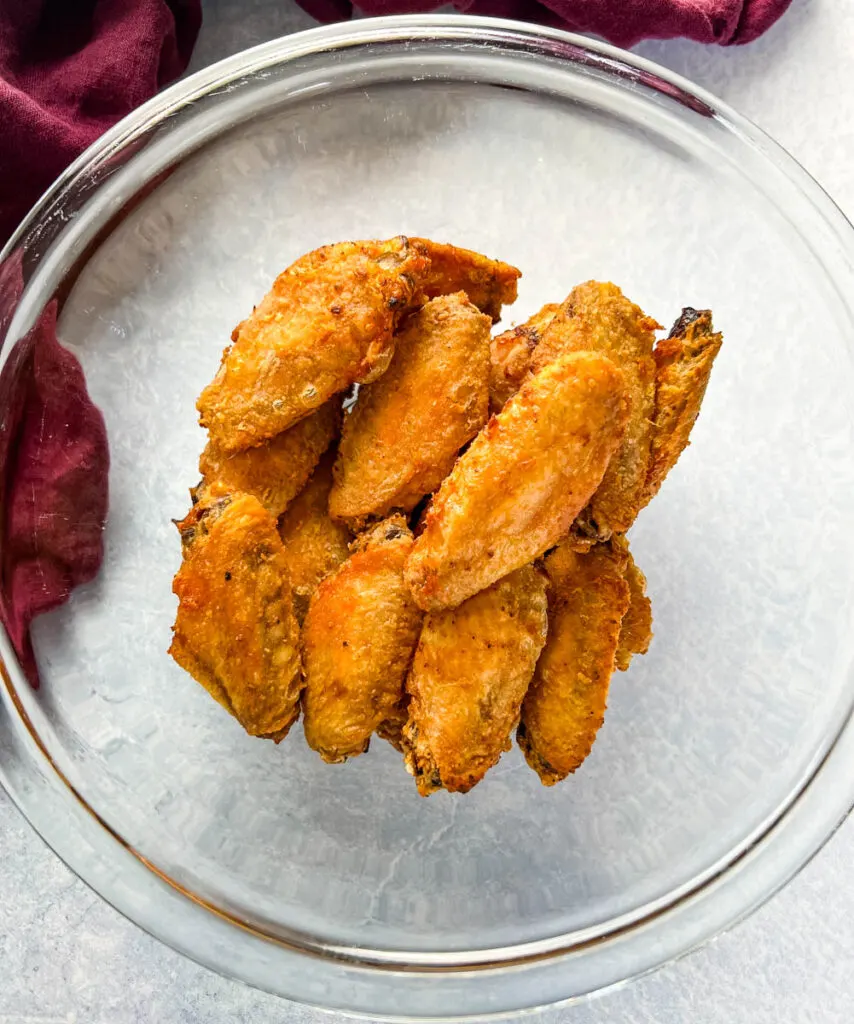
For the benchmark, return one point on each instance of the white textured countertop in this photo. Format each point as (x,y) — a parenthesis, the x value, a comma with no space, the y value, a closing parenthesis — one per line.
(66,956)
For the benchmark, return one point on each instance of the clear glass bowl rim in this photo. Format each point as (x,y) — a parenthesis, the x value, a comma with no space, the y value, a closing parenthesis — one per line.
(518,978)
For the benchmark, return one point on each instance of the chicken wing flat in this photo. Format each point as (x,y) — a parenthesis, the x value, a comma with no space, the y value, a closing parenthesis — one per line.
(510,356)
(471,669)
(683,364)
(275,471)
(597,317)
(327,322)
(406,430)
(565,704)
(516,490)
(358,639)
(636,627)
(235,632)
(489,284)
(315,544)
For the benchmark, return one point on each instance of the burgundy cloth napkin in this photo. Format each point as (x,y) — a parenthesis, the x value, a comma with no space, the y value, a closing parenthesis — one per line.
(69,69)
(53,447)
(623,22)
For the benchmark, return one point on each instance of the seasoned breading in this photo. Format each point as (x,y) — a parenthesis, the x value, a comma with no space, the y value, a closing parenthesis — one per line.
(489,284)
(275,471)
(358,639)
(636,627)
(235,631)
(327,322)
(516,490)
(683,364)
(565,704)
(403,436)
(315,544)
(518,597)
(510,356)
(471,669)
(597,317)
(391,729)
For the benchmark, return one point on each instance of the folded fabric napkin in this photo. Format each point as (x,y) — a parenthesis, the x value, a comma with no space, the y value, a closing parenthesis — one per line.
(53,447)
(623,22)
(69,69)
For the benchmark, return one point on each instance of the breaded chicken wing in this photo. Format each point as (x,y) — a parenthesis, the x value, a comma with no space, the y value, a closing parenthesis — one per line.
(510,356)
(358,639)
(565,704)
(636,627)
(235,631)
(406,430)
(597,317)
(471,669)
(683,364)
(489,284)
(315,544)
(327,323)
(517,489)
(275,471)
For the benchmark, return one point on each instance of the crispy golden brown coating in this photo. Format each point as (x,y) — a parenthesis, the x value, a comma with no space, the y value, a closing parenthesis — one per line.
(315,544)
(471,669)
(489,284)
(597,317)
(275,471)
(406,430)
(358,639)
(515,492)
(636,627)
(565,704)
(683,364)
(510,356)
(327,323)
(235,631)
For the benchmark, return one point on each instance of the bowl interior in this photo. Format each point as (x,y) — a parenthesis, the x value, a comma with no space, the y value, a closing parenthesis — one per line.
(747,549)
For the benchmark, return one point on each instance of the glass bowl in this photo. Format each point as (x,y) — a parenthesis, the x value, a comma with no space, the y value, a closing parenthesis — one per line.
(725,759)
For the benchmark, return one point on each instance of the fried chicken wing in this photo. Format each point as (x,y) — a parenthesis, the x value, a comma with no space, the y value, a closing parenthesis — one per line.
(358,639)
(597,317)
(489,284)
(636,627)
(275,471)
(471,669)
(510,356)
(315,544)
(327,322)
(565,704)
(235,631)
(517,489)
(406,430)
(683,364)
